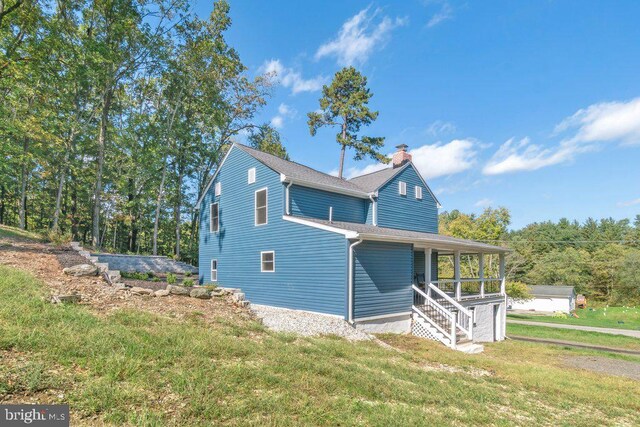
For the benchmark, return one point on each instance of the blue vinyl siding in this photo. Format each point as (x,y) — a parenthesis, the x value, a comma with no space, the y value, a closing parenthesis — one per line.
(418,263)
(383,274)
(313,203)
(406,212)
(310,264)
(368,212)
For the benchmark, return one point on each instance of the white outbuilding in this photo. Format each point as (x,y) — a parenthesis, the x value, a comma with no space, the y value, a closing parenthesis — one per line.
(547,299)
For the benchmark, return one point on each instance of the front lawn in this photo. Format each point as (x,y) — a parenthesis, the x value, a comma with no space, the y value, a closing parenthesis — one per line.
(585,337)
(602,317)
(137,368)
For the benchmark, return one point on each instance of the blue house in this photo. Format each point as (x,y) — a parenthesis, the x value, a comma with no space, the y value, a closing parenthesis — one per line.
(364,249)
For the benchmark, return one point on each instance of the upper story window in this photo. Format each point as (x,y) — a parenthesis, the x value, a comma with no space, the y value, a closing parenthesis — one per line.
(214,218)
(418,192)
(402,188)
(251,175)
(268,262)
(218,189)
(261,206)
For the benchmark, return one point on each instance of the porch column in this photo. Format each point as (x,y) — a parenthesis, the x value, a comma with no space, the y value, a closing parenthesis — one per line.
(481,273)
(503,279)
(456,274)
(427,270)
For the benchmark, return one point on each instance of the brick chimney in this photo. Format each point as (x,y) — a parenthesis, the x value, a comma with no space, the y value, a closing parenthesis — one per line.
(401,156)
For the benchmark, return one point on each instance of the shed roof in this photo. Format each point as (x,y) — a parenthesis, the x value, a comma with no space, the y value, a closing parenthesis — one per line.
(372,232)
(551,291)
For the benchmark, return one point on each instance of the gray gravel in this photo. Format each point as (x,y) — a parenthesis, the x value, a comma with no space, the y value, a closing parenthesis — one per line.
(307,324)
(606,365)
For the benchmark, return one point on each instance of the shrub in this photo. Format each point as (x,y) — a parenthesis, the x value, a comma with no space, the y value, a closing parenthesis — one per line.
(187,282)
(171,278)
(134,275)
(560,315)
(187,274)
(518,291)
(57,237)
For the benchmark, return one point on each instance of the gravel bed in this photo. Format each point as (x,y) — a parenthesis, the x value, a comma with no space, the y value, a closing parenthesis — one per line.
(306,324)
(607,365)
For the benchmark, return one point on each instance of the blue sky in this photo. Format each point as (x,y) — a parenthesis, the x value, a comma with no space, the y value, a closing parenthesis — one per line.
(531,105)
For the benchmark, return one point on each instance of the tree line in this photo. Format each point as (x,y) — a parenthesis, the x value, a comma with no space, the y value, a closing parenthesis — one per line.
(114,114)
(601,258)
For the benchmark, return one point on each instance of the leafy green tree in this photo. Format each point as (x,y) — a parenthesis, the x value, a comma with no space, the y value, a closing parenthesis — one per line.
(344,104)
(266,138)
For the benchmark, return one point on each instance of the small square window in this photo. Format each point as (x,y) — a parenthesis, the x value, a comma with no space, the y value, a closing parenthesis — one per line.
(418,192)
(218,189)
(402,188)
(214,270)
(251,176)
(268,262)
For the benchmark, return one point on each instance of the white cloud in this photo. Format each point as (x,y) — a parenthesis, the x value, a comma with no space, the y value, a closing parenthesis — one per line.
(359,37)
(483,203)
(441,128)
(607,121)
(629,203)
(290,78)
(515,156)
(433,160)
(444,13)
(284,112)
(598,123)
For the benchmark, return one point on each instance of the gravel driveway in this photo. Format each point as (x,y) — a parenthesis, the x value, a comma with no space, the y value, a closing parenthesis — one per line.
(307,324)
(606,365)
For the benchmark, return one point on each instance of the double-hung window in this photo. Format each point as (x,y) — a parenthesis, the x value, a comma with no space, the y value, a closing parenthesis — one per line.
(402,188)
(261,207)
(214,270)
(214,218)
(268,262)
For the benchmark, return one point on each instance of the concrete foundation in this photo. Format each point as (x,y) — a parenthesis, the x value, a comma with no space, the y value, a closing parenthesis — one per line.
(396,324)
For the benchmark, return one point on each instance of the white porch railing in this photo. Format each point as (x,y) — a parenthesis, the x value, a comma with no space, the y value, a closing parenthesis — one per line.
(470,288)
(443,313)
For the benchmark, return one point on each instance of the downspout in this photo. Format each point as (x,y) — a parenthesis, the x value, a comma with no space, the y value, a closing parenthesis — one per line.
(374,215)
(287,208)
(351,246)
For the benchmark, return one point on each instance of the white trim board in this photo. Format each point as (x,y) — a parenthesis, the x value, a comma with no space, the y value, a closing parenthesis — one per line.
(297,220)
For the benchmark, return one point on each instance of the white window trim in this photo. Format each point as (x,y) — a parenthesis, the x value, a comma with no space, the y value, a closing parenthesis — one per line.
(418,192)
(402,188)
(211,230)
(218,189)
(255,207)
(212,270)
(251,176)
(274,261)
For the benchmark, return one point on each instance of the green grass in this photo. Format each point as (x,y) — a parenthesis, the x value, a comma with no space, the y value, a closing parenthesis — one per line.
(16,233)
(603,317)
(595,338)
(136,368)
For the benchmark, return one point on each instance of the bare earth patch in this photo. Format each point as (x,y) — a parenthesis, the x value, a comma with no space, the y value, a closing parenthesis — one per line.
(46,263)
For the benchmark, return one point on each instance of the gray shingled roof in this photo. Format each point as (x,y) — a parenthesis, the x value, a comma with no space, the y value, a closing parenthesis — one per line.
(372,231)
(297,171)
(372,181)
(551,291)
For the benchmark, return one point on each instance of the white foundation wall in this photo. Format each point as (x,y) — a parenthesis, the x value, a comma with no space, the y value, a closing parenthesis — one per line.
(489,322)
(397,324)
(545,305)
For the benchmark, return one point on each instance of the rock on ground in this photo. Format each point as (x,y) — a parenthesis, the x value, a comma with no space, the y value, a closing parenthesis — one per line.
(136,290)
(307,324)
(161,293)
(81,270)
(177,290)
(201,293)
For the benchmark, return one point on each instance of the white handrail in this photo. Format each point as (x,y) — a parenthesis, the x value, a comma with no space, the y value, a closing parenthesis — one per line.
(450,300)
(452,315)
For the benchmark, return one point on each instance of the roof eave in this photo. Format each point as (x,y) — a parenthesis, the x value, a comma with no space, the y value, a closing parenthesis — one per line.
(330,188)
